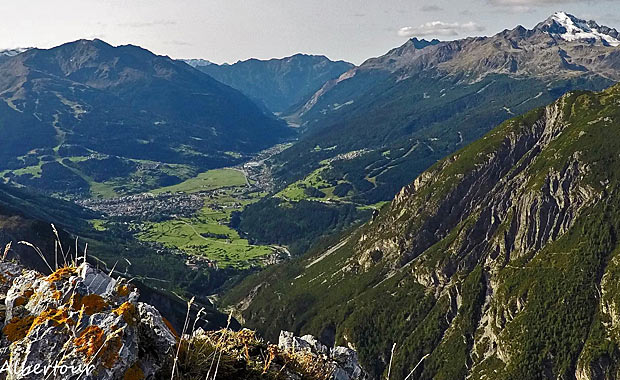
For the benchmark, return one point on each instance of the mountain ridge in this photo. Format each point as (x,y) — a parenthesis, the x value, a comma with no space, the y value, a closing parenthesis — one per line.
(279,83)
(99,103)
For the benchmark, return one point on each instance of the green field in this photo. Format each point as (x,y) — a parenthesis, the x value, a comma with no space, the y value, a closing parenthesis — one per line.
(296,190)
(211,180)
(207,234)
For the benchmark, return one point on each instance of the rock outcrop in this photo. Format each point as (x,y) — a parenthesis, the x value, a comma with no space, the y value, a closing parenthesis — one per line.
(342,362)
(78,322)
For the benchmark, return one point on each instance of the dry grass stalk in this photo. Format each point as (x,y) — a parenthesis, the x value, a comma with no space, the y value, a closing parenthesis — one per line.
(185,325)
(59,245)
(38,251)
(225,333)
(7,248)
(391,358)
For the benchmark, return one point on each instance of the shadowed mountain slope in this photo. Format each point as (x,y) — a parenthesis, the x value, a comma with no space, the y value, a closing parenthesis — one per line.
(279,84)
(68,113)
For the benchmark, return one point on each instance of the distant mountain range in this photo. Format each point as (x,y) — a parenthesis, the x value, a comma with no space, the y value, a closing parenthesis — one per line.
(8,53)
(279,84)
(379,125)
(87,112)
(415,94)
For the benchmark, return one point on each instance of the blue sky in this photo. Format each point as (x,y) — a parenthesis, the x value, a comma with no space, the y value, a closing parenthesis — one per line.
(230,30)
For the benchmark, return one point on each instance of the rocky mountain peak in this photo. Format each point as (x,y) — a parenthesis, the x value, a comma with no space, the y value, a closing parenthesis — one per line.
(13,52)
(197,62)
(570,28)
(421,44)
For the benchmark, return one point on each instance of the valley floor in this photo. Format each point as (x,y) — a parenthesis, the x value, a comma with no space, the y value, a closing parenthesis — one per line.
(192,218)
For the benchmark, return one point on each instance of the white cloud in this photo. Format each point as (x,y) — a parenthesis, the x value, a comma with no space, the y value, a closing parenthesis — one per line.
(440,28)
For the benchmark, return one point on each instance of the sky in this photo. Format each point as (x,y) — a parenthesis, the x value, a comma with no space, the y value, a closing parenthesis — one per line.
(231,30)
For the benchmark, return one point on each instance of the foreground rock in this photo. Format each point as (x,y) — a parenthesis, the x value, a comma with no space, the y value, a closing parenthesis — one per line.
(342,362)
(78,323)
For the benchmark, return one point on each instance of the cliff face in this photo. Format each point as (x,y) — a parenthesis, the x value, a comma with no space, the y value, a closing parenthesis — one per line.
(499,262)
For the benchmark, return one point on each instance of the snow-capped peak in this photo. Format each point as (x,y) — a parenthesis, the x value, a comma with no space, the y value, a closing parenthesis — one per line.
(13,52)
(197,62)
(571,28)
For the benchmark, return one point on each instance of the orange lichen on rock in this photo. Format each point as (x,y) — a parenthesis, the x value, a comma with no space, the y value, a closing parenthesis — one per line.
(128,312)
(111,351)
(61,274)
(123,290)
(57,295)
(90,341)
(92,303)
(93,344)
(18,328)
(56,317)
(170,327)
(134,373)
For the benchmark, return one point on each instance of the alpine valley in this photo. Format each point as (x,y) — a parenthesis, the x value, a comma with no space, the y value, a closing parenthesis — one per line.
(449,210)
(377,127)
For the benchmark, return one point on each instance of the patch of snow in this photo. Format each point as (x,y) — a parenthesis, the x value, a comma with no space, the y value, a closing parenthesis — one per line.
(337,106)
(577,29)
(197,62)
(13,52)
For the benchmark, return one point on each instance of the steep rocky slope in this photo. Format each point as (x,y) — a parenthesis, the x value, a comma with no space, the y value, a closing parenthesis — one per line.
(279,84)
(499,262)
